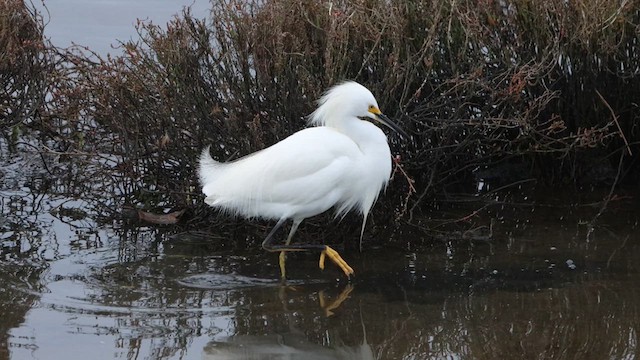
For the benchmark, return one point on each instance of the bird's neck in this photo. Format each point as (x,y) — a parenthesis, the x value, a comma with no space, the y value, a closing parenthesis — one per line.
(368,137)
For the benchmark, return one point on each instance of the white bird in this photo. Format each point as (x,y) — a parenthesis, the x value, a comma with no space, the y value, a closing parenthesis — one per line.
(343,163)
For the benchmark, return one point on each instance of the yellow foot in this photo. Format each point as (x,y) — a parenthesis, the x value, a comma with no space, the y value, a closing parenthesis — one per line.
(283,259)
(337,259)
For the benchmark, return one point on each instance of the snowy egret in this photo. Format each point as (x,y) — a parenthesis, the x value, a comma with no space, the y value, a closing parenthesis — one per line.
(343,162)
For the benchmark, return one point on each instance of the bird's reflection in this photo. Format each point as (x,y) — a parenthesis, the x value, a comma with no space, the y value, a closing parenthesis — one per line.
(292,344)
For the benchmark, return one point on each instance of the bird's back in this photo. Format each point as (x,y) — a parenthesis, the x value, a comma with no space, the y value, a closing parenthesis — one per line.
(301,176)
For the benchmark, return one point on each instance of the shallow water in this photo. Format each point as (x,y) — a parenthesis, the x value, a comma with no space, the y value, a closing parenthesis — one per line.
(547,286)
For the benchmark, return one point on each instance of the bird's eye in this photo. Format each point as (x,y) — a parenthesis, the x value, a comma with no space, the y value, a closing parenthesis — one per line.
(371,107)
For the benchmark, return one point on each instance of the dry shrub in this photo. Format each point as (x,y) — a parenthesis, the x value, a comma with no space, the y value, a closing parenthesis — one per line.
(479,84)
(509,92)
(24,66)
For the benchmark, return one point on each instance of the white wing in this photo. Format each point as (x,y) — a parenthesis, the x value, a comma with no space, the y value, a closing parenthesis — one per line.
(301,176)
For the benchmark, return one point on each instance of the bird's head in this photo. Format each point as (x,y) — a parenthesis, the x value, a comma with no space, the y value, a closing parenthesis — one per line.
(351,99)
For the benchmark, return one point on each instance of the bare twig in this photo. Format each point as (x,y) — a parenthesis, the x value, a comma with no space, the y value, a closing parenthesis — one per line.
(615,119)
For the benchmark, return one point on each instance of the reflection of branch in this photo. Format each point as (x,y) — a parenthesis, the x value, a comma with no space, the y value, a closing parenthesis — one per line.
(606,200)
(616,250)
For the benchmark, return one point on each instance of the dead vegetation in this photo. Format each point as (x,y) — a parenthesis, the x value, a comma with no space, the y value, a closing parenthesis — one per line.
(492,91)
(24,66)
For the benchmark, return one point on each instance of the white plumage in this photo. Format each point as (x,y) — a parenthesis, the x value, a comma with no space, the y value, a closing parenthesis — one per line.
(344,162)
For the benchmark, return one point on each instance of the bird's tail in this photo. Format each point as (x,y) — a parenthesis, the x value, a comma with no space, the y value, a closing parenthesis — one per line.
(208,168)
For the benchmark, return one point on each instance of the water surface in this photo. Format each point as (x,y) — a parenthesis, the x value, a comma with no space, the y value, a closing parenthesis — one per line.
(547,286)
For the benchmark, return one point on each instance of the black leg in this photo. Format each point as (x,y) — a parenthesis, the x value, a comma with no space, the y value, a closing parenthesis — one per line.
(268,244)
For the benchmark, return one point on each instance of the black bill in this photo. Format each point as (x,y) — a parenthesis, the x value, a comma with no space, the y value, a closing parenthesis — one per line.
(384,120)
